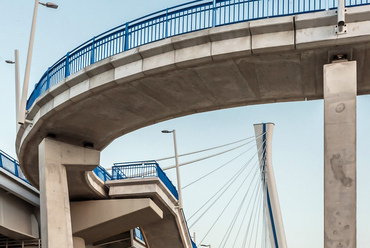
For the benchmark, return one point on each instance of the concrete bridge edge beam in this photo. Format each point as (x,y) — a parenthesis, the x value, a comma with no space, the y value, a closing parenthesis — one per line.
(340,90)
(54,157)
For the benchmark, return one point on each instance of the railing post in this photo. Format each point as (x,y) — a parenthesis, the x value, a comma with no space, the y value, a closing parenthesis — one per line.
(126,36)
(92,61)
(166,34)
(16,169)
(1,161)
(67,73)
(48,78)
(214,14)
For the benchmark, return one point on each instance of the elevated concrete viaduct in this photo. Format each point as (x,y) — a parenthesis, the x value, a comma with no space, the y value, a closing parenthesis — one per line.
(19,208)
(273,60)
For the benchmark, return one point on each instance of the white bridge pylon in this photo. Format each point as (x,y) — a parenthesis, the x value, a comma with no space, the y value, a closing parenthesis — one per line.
(275,225)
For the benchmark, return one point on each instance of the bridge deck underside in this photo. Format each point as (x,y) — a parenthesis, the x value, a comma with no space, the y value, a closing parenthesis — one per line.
(265,61)
(263,78)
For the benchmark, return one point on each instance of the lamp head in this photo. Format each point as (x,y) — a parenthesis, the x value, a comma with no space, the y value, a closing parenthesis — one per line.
(167,131)
(9,62)
(49,5)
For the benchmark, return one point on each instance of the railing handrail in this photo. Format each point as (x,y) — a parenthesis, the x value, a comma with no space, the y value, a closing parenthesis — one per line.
(135,163)
(126,33)
(16,170)
(119,168)
(8,156)
(102,173)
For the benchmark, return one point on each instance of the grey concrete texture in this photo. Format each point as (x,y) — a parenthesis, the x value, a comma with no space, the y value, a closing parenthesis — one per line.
(171,230)
(95,221)
(340,155)
(264,61)
(19,188)
(18,219)
(55,160)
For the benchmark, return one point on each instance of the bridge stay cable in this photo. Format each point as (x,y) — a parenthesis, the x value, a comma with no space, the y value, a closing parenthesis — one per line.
(227,205)
(254,195)
(207,157)
(257,222)
(208,149)
(258,196)
(204,176)
(226,186)
(214,223)
(232,224)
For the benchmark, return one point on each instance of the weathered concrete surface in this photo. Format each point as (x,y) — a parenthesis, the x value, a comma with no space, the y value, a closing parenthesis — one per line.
(78,242)
(18,219)
(19,188)
(171,230)
(55,159)
(340,154)
(95,221)
(265,61)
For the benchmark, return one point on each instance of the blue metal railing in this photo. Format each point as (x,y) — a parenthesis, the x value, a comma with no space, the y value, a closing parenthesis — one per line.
(138,234)
(102,173)
(10,164)
(193,245)
(181,19)
(142,170)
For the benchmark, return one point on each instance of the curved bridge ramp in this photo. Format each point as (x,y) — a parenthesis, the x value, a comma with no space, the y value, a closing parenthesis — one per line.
(171,231)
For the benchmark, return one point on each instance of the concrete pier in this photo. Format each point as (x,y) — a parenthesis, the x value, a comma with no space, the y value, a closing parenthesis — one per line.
(54,159)
(340,90)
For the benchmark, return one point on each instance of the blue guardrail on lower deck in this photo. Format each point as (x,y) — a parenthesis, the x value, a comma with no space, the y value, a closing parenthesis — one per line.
(177,20)
(10,164)
(142,169)
(102,173)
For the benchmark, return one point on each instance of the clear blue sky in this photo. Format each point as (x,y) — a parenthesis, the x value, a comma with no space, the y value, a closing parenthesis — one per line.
(298,136)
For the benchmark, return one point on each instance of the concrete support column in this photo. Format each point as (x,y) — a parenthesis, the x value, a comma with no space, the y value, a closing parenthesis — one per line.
(78,242)
(54,157)
(340,90)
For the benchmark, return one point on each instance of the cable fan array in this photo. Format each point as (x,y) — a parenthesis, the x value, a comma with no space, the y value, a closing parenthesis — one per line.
(233,212)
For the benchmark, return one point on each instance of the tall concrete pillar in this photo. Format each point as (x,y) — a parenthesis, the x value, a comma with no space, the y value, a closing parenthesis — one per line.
(54,159)
(340,90)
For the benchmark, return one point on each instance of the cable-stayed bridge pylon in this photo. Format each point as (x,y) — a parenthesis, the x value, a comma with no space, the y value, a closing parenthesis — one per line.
(271,200)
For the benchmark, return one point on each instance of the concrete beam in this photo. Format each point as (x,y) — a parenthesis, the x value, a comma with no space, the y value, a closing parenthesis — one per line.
(17,217)
(172,230)
(19,188)
(340,154)
(96,221)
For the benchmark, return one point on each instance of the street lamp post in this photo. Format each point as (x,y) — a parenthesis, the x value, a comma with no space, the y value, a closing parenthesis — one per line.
(16,62)
(177,166)
(22,109)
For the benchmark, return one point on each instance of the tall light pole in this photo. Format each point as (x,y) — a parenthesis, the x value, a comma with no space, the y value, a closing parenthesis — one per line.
(22,109)
(177,165)
(16,62)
